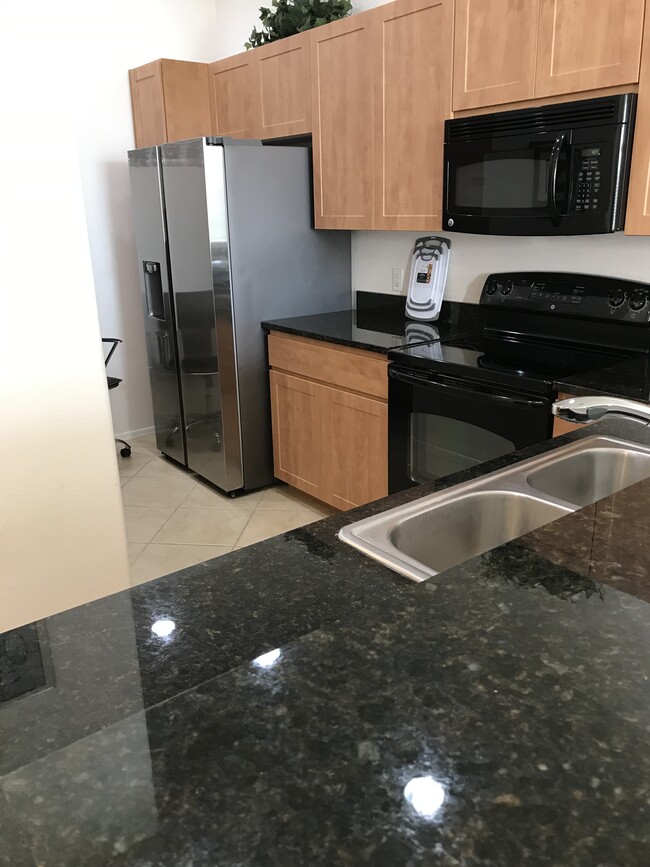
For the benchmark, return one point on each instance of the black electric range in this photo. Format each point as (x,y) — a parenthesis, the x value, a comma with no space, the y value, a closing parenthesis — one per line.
(455,403)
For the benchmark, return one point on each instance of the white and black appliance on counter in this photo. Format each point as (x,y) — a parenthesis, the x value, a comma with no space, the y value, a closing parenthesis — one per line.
(553,170)
(225,240)
(456,403)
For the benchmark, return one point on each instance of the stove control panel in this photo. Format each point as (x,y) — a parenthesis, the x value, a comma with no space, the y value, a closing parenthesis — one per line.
(579,295)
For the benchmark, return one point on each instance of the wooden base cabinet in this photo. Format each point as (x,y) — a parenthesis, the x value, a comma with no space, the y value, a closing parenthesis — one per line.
(356,448)
(328,441)
(297,418)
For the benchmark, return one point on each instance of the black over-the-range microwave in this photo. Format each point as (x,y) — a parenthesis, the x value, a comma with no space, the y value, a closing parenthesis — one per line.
(554,170)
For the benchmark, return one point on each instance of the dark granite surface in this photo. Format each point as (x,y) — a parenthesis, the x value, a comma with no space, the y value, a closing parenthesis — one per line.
(626,379)
(514,686)
(379,324)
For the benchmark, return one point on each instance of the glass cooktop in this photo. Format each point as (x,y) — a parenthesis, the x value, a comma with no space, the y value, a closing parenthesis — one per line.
(505,359)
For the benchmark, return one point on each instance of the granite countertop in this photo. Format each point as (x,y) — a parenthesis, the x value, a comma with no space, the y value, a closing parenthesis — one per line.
(630,379)
(379,324)
(304,687)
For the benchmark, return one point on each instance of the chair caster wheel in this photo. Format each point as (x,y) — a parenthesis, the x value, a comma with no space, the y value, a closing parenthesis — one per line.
(126,452)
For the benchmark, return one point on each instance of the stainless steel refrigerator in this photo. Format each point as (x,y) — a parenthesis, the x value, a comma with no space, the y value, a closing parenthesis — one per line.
(224,241)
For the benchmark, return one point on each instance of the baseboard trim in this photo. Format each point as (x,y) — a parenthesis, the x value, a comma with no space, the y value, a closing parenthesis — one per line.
(135,434)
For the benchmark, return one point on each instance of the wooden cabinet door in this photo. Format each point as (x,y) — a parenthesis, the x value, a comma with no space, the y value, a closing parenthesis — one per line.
(356,443)
(588,44)
(187,99)
(283,80)
(342,120)
(148,105)
(234,99)
(494,52)
(412,55)
(297,418)
(637,220)
(170,101)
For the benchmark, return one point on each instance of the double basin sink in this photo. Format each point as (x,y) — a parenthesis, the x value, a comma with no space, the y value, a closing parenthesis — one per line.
(425,537)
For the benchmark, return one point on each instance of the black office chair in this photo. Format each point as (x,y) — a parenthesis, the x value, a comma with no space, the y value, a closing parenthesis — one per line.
(113,382)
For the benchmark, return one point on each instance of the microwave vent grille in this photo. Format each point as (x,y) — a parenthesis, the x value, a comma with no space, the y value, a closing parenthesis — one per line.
(564,115)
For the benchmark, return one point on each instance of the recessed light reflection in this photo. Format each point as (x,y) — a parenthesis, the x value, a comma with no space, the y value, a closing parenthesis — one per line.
(266,660)
(425,795)
(163,628)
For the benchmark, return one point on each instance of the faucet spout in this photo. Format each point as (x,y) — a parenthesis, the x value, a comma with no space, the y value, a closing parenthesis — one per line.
(581,410)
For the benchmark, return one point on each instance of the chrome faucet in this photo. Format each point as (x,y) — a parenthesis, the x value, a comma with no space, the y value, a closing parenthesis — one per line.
(580,410)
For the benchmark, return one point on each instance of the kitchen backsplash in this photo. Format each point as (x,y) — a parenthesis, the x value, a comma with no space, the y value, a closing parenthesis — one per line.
(376,254)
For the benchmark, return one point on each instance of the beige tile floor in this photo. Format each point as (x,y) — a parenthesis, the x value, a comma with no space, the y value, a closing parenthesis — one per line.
(173,520)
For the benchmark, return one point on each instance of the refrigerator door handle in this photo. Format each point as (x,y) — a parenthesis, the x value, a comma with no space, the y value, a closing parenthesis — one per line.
(163,350)
(154,290)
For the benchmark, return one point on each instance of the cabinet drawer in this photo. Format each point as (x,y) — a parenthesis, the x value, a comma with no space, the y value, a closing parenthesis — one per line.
(354,369)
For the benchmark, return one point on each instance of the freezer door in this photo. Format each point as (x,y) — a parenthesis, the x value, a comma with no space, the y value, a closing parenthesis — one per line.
(151,243)
(197,223)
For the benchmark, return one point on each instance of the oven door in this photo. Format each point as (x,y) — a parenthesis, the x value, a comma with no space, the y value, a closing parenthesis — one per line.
(508,185)
(440,425)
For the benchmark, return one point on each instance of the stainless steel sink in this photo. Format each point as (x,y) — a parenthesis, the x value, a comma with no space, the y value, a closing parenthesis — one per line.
(591,475)
(432,534)
(470,525)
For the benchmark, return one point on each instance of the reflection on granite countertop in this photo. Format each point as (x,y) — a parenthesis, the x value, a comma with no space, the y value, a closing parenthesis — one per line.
(379,324)
(496,715)
(629,379)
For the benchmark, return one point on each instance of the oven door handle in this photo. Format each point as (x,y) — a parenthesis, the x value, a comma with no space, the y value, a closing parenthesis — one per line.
(459,388)
(553,166)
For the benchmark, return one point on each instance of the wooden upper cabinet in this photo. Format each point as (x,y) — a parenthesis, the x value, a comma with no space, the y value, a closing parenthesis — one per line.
(342,119)
(494,52)
(588,44)
(234,99)
(282,73)
(637,220)
(170,101)
(413,54)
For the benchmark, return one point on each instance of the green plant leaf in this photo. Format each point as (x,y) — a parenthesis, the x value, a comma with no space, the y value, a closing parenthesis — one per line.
(288,17)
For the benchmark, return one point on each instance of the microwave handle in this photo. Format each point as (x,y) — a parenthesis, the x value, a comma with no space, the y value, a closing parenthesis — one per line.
(461,389)
(552,178)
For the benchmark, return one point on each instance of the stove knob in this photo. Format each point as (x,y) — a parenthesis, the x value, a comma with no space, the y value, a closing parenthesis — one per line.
(616,298)
(638,301)
(491,289)
(506,288)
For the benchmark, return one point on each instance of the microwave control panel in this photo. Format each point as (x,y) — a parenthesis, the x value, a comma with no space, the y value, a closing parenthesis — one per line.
(583,295)
(588,175)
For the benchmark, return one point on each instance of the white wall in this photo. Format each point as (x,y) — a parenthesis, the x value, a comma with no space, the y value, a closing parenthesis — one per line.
(473,257)
(61,523)
(97,43)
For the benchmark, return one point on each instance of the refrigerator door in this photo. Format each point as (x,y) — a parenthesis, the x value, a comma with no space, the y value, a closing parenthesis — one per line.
(151,243)
(197,223)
